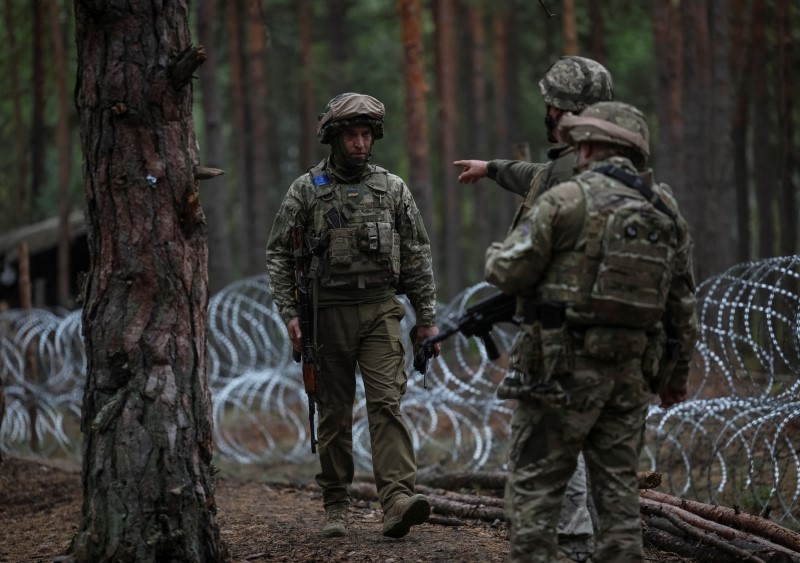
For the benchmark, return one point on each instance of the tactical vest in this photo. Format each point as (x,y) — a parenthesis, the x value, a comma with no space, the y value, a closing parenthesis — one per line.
(357,222)
(559,169)
(620,276)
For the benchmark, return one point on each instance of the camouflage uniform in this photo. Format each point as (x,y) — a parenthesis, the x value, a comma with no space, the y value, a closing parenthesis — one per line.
(374,243)
(571,84)
(587,381)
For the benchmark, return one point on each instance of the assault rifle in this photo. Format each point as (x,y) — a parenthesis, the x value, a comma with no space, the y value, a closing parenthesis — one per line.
(304,299)
(476,321)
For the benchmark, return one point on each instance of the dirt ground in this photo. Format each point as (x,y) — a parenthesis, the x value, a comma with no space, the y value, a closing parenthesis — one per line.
(40,504)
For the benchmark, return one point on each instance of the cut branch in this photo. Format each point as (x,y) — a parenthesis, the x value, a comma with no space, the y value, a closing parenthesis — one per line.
(188,61)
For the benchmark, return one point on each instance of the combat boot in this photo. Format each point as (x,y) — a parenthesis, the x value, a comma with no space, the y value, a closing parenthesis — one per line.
(407,511)
(336,522)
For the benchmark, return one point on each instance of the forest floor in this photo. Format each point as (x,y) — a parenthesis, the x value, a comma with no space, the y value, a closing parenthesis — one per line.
(264,514)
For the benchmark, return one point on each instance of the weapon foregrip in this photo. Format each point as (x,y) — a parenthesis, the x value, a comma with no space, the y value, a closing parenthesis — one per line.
(491,347)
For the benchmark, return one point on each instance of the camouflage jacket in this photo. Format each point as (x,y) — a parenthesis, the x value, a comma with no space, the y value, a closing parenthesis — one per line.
(556,225)
(375,192)
(531,179)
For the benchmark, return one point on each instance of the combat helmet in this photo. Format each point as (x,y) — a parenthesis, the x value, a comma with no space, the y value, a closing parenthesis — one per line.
(616,123)
(349,109)
(573,83)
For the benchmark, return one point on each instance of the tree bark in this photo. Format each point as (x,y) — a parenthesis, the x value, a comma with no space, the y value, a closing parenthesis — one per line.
(763,170)
(37,146)
(484,194)
(696,107)
(668,44)
(64,155)
(308,117)
(148,486)
(19,208)
(724,230)
(213,191)
(417,143)
(239,125)
(447,99)
(569,21)
(599,50)
(741,66)
(788,163)
(257,134)
(500,48)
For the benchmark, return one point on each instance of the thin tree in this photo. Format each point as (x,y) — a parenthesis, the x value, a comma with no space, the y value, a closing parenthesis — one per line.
(741,65)
(788,163)
(500,48)
(213,193)
(16,104)
(64,145)
(569,21)
(308,121)
(668,44)
(148,489)
(720,147)
(763,170)
(598,48)
(257,135)
(479,138)
(696,107)
(239,125)
(37,146)
(444,14)
(417,143)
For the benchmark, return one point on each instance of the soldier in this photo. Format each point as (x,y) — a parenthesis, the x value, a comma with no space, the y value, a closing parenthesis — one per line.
(601,267)
(364,225)
(570,85)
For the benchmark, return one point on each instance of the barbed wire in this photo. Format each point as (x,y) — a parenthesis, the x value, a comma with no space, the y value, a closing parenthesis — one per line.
(732,443)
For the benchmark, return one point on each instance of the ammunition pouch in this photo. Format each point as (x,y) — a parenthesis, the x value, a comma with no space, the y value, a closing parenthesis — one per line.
(546,395)
(362,256)
(544,346)
(614,344)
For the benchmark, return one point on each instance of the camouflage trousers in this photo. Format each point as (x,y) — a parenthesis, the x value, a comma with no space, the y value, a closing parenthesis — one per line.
(366,336)
(603,417)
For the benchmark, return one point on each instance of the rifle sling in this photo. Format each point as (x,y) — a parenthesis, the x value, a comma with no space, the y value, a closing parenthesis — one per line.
(637,184)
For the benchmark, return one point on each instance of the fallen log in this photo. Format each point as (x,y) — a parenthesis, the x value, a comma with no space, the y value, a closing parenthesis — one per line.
(699,535)
(481,480)
(739,520)
(477,500)
(757,545)
(486,513)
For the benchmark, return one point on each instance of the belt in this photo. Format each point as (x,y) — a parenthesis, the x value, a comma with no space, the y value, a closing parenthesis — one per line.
(551,315)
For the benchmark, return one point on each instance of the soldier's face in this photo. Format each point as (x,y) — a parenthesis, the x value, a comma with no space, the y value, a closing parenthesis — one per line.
(551,119)
(357,142)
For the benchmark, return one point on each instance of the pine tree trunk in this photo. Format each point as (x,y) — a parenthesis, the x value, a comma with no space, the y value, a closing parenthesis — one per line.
(485,193)
(64,155)
(147,481)
(417,143)
(762,150)
(37,146)
(308,116)
(788,166)
(447,96)
(213,192)
(571,46)
(19,208)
